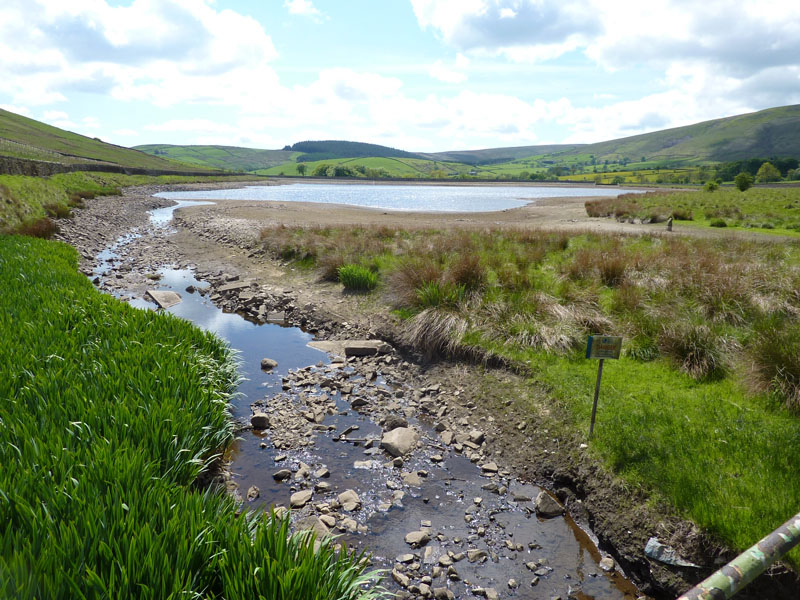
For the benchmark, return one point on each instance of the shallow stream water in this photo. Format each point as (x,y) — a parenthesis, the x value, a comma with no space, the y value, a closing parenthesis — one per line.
(503,524)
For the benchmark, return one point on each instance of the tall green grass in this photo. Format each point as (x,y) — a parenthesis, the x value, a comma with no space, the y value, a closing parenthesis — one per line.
(108,415)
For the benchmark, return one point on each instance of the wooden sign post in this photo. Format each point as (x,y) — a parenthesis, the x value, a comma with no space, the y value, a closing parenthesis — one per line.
(601,347)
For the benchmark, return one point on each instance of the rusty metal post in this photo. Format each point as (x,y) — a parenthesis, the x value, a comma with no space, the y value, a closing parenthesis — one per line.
(596,396)
(743,569)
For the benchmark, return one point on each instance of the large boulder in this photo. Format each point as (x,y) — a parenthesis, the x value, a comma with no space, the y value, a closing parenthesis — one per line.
(399,441)
(547,506)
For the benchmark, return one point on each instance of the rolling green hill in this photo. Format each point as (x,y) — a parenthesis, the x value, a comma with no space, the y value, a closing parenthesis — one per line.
(21,137)
(228,158)
(499,155)
(770,132)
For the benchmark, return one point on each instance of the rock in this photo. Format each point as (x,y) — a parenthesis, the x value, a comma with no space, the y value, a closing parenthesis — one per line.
(322,473)
(393,422)
(267,364)
(323,487)
(448,437)
(491,594)
(260,421)
(359,402)
(164,298)
(417,539)
(400,441)
(348,524)
(547,506)
(366,347)
(300,499)
(476,436)
(349,500)
(282,475)
(314,524)
(442,593)
(607,564)
(489,467)
(401,579)
(475,555)
(658,551)
(412,479)
(512,584)
(253,492)
(405,558)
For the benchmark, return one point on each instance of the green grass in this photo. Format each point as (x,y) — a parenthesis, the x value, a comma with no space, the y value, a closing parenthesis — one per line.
(759,209)
(108,416)
(228,158)
(696,411)
(357,278)
(26,200)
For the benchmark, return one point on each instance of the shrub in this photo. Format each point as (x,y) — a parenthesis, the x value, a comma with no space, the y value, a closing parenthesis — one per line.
(682,214)
(697,349)
(711,186)
(743,181)
(57,211)
(718,223)
(357,278)
(40,228)
(467,271)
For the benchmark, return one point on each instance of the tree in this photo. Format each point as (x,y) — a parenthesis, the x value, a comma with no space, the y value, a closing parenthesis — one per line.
(743,181)
(768,172)
(301,168)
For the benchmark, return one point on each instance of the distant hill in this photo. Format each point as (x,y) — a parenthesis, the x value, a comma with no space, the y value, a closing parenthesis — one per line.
(329,149)
(229,158)
(499,155)
(28,139)
(770,132)
(767,133)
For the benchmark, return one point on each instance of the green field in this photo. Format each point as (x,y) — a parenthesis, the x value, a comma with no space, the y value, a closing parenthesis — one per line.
(227,158)
(390,167)
(772,210)
(109,414)
(711,353)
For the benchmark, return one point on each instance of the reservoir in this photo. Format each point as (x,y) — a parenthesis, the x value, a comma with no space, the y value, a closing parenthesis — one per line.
(416,198)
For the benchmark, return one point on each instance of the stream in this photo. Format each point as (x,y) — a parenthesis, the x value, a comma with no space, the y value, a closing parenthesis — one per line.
(327,417)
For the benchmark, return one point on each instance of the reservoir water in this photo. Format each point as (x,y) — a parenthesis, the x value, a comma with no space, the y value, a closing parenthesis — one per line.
(430,198)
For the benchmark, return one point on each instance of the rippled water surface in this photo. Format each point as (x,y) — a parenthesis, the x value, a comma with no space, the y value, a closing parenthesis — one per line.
(433,198)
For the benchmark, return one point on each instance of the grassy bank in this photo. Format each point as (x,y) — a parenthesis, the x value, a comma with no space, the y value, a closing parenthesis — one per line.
(702,410)
(108,414)
(761,209)
(26,202)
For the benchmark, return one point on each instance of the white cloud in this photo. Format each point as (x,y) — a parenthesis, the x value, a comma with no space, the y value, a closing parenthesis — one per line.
(304,8)
(55,115)
(20,110)
(455,74)
(167,51)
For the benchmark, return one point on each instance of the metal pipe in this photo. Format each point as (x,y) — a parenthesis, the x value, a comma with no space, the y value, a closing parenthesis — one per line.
(743,569)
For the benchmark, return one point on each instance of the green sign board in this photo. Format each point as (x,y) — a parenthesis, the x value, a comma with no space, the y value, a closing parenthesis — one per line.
(603,346)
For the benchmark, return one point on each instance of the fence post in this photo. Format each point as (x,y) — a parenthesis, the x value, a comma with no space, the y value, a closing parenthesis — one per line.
(743,569)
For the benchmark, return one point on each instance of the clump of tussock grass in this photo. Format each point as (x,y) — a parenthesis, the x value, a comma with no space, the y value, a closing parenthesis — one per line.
(44,228)
(697,350)
(357,278)
(435,331)
(466,271)
(774,358)
(411,275)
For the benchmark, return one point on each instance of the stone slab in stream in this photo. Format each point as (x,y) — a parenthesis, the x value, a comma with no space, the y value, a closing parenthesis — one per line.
(352,347)
(164,298)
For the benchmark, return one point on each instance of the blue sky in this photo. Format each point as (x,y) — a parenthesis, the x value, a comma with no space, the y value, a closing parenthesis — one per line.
(424,75)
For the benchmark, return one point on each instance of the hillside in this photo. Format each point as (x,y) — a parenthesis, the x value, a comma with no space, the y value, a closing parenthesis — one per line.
(770,132)
(767,133)
(228,158)
(24,138)
(490,156)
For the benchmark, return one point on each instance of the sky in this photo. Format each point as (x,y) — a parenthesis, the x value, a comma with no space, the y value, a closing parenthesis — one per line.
(420,75)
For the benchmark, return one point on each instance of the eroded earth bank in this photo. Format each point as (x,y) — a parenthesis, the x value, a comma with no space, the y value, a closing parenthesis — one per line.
(457,477)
